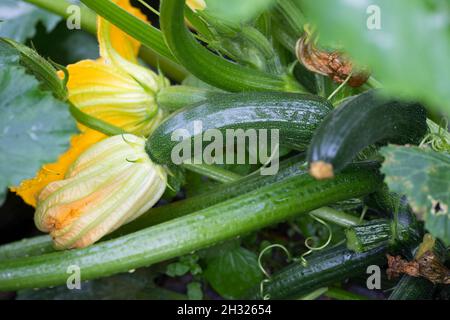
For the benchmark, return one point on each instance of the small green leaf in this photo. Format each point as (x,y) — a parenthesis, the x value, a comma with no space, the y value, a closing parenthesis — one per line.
(233,272)
(34,127)
(177,269)
(423,175)
(184,265)
(194,291)
(19,20)
(408,57)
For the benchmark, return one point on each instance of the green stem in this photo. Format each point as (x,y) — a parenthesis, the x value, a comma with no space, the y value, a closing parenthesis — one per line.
(89,24)
(374,83)
(173,98)
(209,67)
(315,294)
(291,15)
(94,123)
(226,220)
(59,7)
(26,248)
(135,27)
(337,217)
(213,172)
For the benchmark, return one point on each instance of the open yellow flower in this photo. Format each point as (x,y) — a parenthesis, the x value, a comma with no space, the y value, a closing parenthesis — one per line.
(113,88)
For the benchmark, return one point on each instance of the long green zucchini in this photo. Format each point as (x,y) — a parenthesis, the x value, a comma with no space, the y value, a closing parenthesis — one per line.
(208,66)
(226,220)
(360,122)
(402,231)
(296,116)
(288,168)
(324,268)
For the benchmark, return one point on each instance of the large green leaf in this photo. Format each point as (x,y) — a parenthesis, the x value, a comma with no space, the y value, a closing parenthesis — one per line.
(423,175)
(410,52)
(233,272)
(19,20)
(34,127)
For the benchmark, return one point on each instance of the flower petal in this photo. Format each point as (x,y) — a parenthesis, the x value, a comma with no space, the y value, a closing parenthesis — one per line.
(30,189)
(113,38)
(107,93)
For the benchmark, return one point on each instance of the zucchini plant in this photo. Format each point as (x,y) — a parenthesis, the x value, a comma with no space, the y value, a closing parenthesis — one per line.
(201,141)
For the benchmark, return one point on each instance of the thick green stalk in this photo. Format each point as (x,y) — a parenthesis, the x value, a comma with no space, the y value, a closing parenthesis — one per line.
(289,13)
(59,7)
(204,228)
(89,24)
(209,67)
(26,248)
(135,27)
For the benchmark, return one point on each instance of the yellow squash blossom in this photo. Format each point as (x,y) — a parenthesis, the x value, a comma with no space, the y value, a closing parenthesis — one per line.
(114,88)
(111,183)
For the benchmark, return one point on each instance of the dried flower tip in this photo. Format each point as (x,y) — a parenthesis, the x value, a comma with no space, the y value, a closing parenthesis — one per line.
(333,64)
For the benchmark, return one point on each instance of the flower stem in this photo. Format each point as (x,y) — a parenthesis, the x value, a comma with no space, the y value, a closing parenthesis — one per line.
(214,172)
(337,217)
(208,66)
(89,24)
(59,7)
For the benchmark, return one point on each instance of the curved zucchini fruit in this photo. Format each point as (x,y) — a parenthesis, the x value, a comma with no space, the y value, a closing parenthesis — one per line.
(209,67)
(296,116)
(360,122)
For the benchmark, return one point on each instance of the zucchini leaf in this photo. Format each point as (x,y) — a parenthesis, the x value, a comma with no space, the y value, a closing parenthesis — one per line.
(20,19)
(232,271)
(34,126)
(409,51)
(423,175)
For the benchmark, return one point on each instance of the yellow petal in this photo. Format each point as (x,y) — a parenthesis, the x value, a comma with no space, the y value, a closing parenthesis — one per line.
(111,183)
(29,189)
(196,4)
(109,94)
(112,37)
